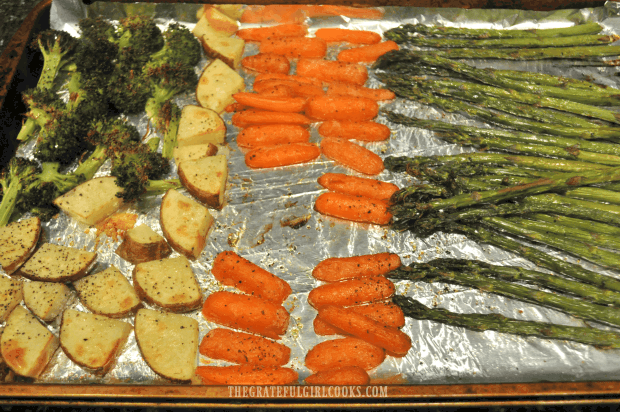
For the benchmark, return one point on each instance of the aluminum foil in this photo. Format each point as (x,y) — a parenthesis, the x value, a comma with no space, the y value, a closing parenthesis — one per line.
(259,203)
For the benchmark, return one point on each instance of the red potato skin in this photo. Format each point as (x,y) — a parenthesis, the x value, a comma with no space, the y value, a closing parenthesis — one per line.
(354,208)
(246,375)
(351,292)
(347,129)
(233,270)
(344,352)
(336,269)
(341,108)
(352,155)
(249,118)
(276,104)
(240,347)
(358,186)
(272,134)
(336,35)
(330,71)
(281,155)
(367,54)
(350,375)
(266,63)
(349,89)
(274,32)
(247,313)
(394,341)
(295,47)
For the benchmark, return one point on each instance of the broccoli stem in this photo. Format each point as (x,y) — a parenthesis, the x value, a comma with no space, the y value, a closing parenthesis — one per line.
(63,182)
(89,167)
(51,66)
(10,193)
(157,187)
(28,130)
(173,118)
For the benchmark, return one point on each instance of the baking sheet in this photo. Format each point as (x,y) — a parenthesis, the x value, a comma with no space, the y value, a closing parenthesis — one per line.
(259,202)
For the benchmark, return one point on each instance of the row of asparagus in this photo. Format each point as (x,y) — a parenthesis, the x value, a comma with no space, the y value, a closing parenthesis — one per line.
(547,173)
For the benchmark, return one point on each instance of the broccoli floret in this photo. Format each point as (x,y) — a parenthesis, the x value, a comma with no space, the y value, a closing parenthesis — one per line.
(138,38)
(58,49)
(128,91)
(96,29)
(180,46)
(41,103)
(19,174)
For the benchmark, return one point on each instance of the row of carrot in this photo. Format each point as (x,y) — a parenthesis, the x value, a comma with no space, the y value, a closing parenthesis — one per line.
(259,311)
(354,303)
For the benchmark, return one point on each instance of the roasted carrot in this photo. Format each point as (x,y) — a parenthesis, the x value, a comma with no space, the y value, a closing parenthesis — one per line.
(349,89)
(330,71)
(275,104)
(336,269)
(352,155)
(367,131)
(233,270)
(254,117)
(355,208)
(347,11)
(247,375)
(357,109)
(273,32)
(278,90)
(351,292)
(266,63)
(358,186)
(293,77)
(367,54)
(281,155)
(385,312)
(349,375)
(339,353)
(297,88)
(334,35)
(241,347)
(295,47)
(277,13)
(394,341)
(272,134)
(247,313)
(235,107)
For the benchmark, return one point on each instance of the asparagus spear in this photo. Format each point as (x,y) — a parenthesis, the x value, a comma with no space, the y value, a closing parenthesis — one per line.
(532,42)
(407,31)
(575,307)
(595,194)
(574,52)
(581,224)
(481,322)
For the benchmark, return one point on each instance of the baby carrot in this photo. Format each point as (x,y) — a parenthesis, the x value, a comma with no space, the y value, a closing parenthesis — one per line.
(358,186)
(351,292)
(343,352)
(293,77)
(274,13)
(278,90)
(247,375)
(394,341)
(240,347)
(281,155)
(367,54)
(272,134)
(349,375)
(295,47)
(272,32)
(334,35)
(330,71)
(233,270)
(266,63)
(348,11)
(247,313)
(367,131)
(235,107)
(341,108)
(275,104)
(354,208)
(352,155)
(385,312)
(297,88)
(336,269)
(349,89)
(253,117)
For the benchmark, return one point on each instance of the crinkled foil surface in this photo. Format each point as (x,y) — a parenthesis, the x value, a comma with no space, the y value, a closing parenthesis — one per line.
(261,202)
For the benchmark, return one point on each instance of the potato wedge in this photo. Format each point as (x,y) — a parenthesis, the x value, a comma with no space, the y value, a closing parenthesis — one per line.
(92,201)
(193,152)
(227,49)
(199,125)
(56,263)
(46,299)
(220,22)
(168,283)
(26,345)
(185,223)
(216,86)
(92,341)
(168,342)
(206,179)
(10,296)
(17,242)
(142,244)
(107,293)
